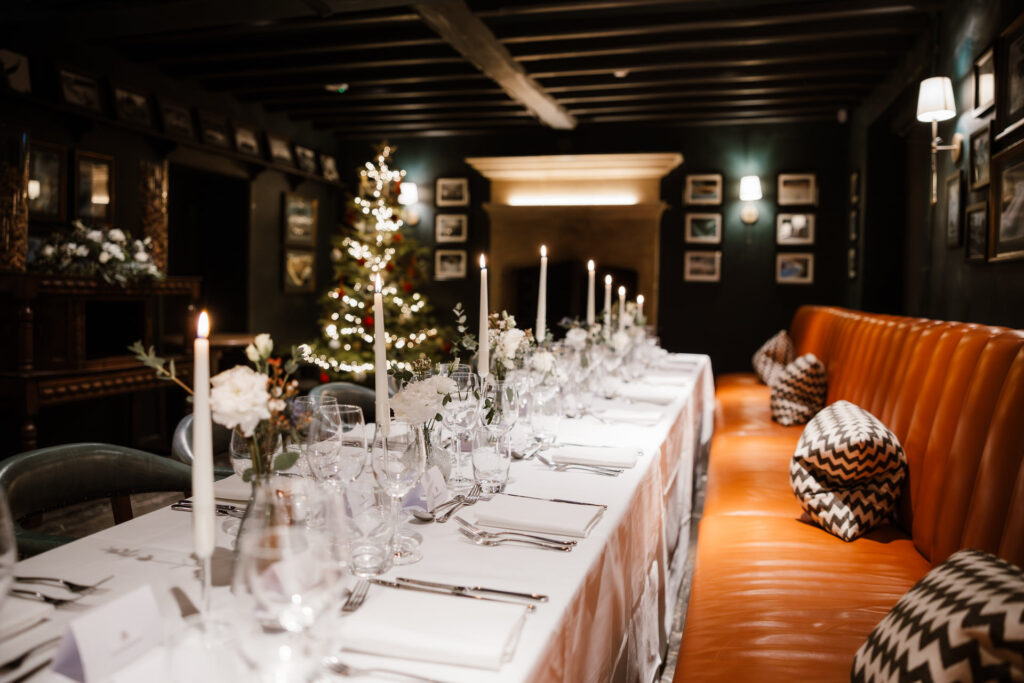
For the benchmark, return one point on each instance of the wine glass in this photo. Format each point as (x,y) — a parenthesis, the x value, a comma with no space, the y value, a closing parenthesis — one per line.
(335,445)
(460,414)
(399,457)
(8,548)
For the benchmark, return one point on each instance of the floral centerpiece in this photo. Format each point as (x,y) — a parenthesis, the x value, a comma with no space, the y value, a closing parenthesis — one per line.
(253,401)
(109,253)
(420,401)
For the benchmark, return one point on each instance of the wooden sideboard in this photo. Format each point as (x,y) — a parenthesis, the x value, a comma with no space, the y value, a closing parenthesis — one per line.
(66,339)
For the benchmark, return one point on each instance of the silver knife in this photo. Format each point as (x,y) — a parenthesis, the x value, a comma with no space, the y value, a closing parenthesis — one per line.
(473,589)
(556,500)
(435,591)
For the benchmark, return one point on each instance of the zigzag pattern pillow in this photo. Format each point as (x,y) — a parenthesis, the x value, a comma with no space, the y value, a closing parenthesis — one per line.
(773,355)
(798,390)
(964,621)
(847,470)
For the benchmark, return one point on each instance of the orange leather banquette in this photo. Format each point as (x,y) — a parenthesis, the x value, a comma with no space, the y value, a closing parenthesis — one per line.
(777,599)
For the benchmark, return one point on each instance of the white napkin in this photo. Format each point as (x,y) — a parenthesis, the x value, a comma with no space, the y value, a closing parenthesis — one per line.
(434,628)
(585,455)
(669,378)
(17,614)
(232,488)
(652,394)
(540,516)
(640,416)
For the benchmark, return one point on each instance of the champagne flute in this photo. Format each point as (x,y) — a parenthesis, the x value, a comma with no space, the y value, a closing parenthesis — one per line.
(399,457)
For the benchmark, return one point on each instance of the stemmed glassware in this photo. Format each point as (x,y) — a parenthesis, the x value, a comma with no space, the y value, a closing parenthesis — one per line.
(8,548)
(460,414)
(335,446)
(399,457)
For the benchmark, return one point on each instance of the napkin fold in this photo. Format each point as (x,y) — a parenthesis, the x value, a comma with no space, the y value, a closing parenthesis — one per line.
(232,488)
(17,614)
(434,628)
(586,455)
(631,415)
(539,516)
(660,395)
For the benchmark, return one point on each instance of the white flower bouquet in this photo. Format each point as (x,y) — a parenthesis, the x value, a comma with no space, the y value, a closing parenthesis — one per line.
(111,254)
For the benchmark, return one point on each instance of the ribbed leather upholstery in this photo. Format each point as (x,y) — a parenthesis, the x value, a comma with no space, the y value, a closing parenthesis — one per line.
(776,599)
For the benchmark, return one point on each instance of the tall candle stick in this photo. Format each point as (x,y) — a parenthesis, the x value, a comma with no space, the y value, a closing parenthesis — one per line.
(483,355)
(380,364)
(542,295)
(622,307)
(590,293)
(639,306)
(607,303)
(202,444)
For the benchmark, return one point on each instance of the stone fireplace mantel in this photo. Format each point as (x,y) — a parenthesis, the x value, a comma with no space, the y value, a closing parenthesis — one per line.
(605,207)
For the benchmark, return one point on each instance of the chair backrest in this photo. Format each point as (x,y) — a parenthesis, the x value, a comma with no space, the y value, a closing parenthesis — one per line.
(953,393)
(181,442)
(352,394)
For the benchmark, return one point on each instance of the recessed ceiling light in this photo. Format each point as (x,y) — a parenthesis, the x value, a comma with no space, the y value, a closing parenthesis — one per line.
(620,73)
(336,87)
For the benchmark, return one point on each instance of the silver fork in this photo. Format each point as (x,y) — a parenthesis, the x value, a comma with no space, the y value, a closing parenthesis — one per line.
(16,663)
(472,497)
(343,669)
(356,597)
(594,469)
(64,583)
(500,534)
(43,597)
(482,540)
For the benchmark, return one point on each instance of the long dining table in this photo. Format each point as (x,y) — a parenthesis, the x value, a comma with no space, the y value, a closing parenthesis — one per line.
(611,599)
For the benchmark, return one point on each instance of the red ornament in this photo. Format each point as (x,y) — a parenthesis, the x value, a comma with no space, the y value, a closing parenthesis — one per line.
(396,237)
(407,287)
(368,320)
(389,267)
(324,378)
(446,346)
(361,262)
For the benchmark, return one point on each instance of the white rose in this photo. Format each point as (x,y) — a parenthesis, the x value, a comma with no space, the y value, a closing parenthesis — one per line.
(239,398)
(543,361)
(620,341)
(83,250)
(141,256)
(95,235)
(576,338)
(104,257)
(251,353)
(510,342)
(420,402)
(48,250)
(264,344)
(71,247)
(116,235)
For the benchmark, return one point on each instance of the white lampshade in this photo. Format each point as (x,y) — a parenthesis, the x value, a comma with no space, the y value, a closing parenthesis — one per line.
(750,188)
(410,194)
(935,100)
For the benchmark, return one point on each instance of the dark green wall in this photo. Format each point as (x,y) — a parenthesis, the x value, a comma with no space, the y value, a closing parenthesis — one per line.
(728,319)
(938,282)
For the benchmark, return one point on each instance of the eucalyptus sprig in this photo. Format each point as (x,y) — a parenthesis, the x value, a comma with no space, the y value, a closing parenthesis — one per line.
(164,368)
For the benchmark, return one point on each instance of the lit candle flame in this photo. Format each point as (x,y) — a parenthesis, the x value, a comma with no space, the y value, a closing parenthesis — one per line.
(640,299)
(590,265)
(622,290)
(203,327)
(543,250)
(483,262)
(607,279)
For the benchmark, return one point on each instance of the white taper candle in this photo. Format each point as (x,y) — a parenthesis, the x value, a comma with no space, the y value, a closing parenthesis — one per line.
(590,293)
(622,307)
(203,514)
(542,296)
(607,302)
(483,355)
(380,360)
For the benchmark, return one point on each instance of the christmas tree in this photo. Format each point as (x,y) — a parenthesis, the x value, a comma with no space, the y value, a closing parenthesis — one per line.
(370,244)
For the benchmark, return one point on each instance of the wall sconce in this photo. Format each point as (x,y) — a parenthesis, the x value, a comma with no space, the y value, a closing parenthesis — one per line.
(935,103)
(408,196)
(750,191)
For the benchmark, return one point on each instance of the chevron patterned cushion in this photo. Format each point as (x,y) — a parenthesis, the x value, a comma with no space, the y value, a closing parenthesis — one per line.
(847,470)
(798,390)
(773,355)
(964,621)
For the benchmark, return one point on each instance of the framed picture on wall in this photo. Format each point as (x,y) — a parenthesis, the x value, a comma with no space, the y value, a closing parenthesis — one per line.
(299,271)
(300,215)
(1010,77)
(702,266)
(449,264)
(80,90)
(704,228)
(176,119)
(794,228)
(214,130)
(47,182)
(984,82)
(1006,192)
(854,223)
(246,139)
(451,192)
(305,159)
(279,149)
(981,156)
(954,192)
(703,188)
(976,233)
(797,189)
(94,188)
(329,167)
(451,227)
(793,268)
(132,106)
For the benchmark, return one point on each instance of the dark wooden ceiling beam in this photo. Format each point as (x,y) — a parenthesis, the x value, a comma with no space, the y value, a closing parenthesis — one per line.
(385,107)
(578,9)
(429,125)
(427,117)
(470,37)
(822,100)
(317,95)
(605,83)
(334,67)
(711,114)
(260,85)
(278,51)
(665,93)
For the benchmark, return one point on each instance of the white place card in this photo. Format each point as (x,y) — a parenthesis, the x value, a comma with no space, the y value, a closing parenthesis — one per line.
(435,491)
(105,640)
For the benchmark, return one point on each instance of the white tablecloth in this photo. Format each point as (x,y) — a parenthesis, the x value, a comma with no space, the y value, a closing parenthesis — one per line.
(611,598)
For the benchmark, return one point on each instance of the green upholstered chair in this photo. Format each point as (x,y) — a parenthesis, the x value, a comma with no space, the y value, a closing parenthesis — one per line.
(52,478)
(350,394)
(181,445)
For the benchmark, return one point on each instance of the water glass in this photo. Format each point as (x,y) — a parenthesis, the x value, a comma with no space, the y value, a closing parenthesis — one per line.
(399,457)
(367,525)
(492,455)
(460,415)
(241,455)
(336,444)
(546,412)
(499,411)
